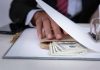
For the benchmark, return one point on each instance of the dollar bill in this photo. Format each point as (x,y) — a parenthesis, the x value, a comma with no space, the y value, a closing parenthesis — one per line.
(67,48)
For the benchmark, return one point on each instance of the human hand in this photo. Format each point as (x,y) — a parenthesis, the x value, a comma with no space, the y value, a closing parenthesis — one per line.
(95,25)
(46,27)
(95,14)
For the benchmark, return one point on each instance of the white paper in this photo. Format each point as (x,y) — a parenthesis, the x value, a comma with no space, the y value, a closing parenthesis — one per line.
(70,27)
(28,46)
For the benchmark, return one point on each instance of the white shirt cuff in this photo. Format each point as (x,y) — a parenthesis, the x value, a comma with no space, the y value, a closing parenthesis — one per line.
(29,17)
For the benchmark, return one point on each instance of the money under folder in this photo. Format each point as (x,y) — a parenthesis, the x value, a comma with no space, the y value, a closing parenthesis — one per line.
(82,47)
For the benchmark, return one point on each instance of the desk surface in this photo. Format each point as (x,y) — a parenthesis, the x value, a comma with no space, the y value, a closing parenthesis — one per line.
(24,64)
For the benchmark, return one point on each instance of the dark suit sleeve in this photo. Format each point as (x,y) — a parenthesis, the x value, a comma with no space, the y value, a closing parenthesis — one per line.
(19,10)
(89,7)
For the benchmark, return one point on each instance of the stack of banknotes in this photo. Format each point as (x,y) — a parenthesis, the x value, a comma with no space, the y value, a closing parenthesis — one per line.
(67,48)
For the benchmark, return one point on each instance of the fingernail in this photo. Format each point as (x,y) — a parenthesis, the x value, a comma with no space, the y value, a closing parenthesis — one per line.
(58,36)
(49,36)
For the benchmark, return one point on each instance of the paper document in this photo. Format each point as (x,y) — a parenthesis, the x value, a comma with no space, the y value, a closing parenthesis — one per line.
(28,47)
(70,27)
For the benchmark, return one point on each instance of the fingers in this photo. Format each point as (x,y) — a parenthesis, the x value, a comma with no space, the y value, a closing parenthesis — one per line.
(39,28)
(47,28)
(56,30)
(43,25)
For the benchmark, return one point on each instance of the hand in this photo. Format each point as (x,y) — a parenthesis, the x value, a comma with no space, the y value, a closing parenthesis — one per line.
(46,27)
(95,25)
(95,15)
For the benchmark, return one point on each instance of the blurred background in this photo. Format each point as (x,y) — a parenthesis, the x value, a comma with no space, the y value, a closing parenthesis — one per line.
(4,12)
